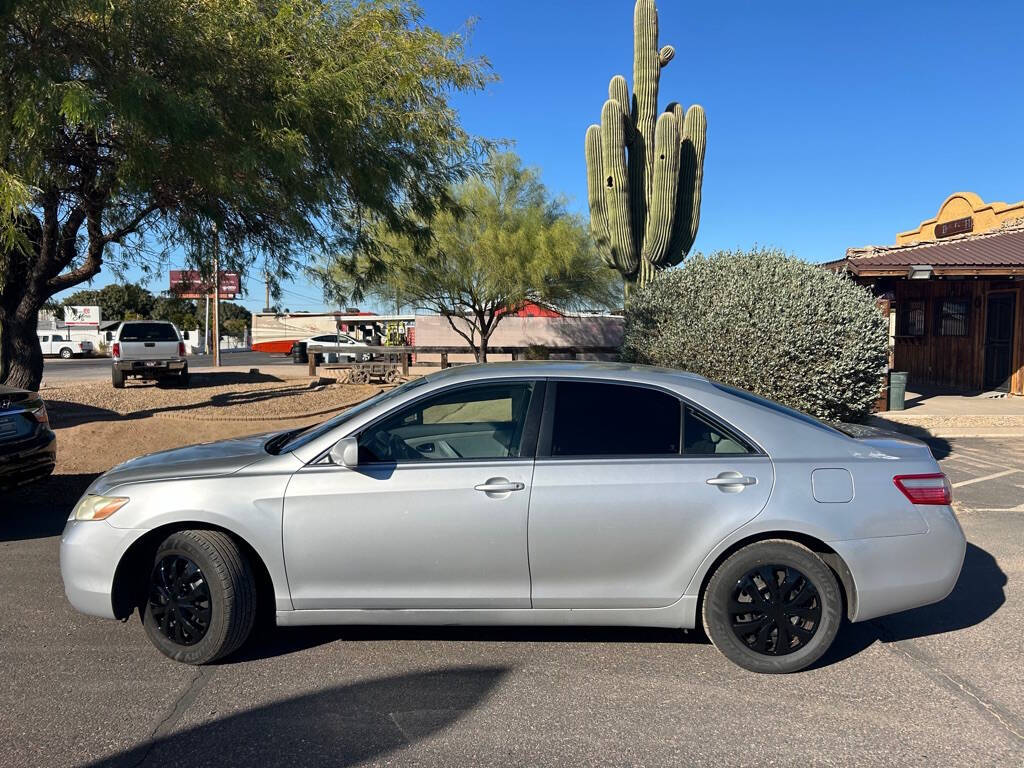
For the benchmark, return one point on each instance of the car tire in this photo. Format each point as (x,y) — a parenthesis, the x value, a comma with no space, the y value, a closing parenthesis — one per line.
(801,604)
(66,353)
(201,600)
(117,378)
(183,378)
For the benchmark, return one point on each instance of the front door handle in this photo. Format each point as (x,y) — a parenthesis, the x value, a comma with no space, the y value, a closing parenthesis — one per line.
(731,482)
(497,485)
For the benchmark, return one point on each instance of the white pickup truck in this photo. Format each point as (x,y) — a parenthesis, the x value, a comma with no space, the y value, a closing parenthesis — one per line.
(148,349)
(59,343)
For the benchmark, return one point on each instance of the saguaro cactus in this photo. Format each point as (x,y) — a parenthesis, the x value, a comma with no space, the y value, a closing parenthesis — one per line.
(644,170)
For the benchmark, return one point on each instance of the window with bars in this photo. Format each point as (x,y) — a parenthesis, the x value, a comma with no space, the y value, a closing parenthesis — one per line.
(951,317)
(911,319)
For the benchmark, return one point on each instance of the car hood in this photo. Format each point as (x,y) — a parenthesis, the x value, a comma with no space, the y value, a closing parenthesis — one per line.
(204,460)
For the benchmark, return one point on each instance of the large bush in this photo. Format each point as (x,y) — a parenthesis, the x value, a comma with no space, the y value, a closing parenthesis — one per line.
(768,323)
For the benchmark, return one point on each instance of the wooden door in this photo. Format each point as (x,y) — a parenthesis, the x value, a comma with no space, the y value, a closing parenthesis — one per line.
(999,317)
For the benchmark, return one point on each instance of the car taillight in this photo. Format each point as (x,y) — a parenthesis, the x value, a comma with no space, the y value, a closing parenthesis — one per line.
(181,349)
(925,489)
(41,415)
(116,350)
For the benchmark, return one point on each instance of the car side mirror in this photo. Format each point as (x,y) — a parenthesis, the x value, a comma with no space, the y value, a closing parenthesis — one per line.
(346,452)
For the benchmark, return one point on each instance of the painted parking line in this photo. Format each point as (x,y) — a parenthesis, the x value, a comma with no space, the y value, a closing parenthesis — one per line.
(993,476)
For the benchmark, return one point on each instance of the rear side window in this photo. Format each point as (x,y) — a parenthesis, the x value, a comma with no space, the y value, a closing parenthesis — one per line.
(704,437)
(148,332)
(594,419)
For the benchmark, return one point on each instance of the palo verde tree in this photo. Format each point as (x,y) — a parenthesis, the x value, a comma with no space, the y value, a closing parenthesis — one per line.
(132,127)
(508,243)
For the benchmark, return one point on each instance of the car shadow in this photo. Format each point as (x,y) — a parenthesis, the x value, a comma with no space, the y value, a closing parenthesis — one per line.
(339,726)
(40,510)
(978,594)
(270,641)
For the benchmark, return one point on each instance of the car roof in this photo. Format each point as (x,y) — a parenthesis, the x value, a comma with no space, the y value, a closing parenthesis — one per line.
(568,368)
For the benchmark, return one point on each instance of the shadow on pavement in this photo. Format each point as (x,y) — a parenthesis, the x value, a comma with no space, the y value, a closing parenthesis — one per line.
(40,510)
(338,726)
(979,593)
(270,641)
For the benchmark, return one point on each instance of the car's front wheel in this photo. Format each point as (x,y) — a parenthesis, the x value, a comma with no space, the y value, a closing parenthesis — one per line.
(201,602)
(773,606)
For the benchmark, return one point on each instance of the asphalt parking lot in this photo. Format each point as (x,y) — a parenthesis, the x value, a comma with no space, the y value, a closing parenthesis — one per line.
(57,371)
(941,685)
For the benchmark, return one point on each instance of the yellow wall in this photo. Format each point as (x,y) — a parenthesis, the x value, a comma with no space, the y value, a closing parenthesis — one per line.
(960,205)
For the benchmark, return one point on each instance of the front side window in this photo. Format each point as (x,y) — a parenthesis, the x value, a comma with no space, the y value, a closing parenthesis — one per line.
(474,422)
(593,419)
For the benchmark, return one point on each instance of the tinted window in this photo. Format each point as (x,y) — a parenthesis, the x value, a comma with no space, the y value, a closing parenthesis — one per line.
(704,437)
(148,332)
(478,422)
(612,419)
(58,338)
(44,338)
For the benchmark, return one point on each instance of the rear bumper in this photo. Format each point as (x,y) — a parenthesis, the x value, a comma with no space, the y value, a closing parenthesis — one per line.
(89,554)
(28,460)
(897,573)
(152,367)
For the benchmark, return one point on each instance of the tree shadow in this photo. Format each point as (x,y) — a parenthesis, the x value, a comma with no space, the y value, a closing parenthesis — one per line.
(41,509)
(338,726)
(978,594)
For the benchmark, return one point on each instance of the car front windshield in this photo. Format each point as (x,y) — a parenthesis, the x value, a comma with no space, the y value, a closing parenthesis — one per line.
(294,440)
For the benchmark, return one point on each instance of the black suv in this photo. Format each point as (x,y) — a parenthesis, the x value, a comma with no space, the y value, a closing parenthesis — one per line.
(28,447)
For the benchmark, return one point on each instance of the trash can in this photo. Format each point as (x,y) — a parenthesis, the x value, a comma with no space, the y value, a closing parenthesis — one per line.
(897,390)
(299,354)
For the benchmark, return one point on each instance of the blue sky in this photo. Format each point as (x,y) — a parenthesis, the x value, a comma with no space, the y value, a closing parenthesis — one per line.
(829,125)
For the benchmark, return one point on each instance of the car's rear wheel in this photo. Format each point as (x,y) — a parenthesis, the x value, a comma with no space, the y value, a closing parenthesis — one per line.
(773,606)
(117,378)
(201,602)
(66,353)
(183,377)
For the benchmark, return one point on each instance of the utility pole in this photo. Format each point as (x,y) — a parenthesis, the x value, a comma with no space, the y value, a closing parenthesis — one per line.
(206,327)
(216,298)
(266,282)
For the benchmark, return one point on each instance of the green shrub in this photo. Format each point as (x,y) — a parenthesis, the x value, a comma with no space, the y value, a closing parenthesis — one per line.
(768,323)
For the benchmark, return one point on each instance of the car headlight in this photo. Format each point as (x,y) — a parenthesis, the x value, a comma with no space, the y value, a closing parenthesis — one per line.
(98,507)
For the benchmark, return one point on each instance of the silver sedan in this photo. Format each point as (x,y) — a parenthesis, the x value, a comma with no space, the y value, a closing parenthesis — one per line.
(526,493)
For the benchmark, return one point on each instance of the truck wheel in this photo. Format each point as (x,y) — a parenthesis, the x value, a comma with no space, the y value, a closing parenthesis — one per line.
(202,597)
(66,353)
(183,377)
(117,378)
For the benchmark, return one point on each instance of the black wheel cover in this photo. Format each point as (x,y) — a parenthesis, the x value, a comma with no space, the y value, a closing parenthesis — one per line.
(179,600)
(774,610)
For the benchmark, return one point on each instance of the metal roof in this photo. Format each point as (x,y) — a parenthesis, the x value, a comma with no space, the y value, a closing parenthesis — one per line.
(991,251)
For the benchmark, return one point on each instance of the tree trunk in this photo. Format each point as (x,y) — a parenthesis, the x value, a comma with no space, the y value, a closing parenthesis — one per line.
(481,350)
(21,359)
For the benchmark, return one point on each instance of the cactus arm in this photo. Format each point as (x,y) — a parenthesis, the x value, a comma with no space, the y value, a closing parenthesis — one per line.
(619,90)
(695,136)
(664,189)
(595,194)
(616,187)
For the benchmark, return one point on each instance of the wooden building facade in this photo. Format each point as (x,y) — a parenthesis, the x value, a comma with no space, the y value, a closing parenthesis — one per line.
(954,296)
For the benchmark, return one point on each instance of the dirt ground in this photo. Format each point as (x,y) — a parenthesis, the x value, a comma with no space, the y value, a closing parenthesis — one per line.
(98,426)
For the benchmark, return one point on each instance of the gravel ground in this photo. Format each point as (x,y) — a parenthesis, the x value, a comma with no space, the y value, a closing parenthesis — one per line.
(217,396)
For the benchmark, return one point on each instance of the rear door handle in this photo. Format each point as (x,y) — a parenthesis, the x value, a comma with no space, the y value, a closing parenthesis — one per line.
(496,486)
(731,480)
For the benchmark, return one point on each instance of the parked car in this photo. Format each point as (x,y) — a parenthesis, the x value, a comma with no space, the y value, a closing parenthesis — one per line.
(526,493)
(54,343)
(148,349)
(28,447)
(337,343)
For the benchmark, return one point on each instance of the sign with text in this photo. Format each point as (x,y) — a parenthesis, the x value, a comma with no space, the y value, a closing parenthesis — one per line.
(189,284)
(75,316)
(955,227)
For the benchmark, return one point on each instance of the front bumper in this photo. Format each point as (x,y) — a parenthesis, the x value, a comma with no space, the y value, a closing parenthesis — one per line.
(897,573)
(28,460)
(90,551)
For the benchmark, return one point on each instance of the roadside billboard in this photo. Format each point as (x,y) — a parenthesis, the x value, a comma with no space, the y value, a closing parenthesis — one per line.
(189,284)
(76,316)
